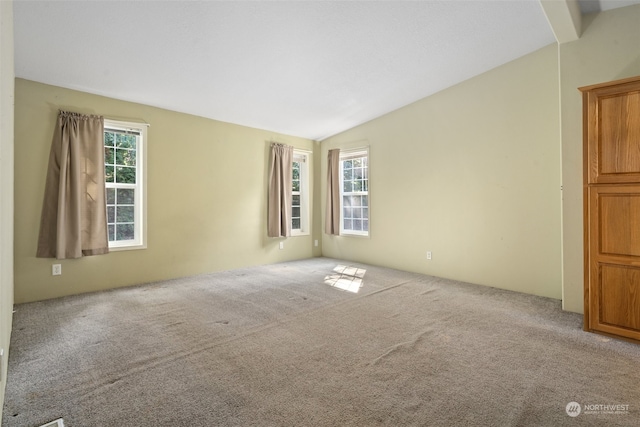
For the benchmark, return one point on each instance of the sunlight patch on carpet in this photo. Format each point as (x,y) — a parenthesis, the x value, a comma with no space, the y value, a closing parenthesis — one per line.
(346,278)
(55,423)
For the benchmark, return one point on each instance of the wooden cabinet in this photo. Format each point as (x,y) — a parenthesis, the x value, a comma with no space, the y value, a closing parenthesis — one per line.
(612,208)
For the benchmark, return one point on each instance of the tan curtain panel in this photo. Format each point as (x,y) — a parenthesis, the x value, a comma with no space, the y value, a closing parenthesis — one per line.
(332,214)
(280,191)
(74,219)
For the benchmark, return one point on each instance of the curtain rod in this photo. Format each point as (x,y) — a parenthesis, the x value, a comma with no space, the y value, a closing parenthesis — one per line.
(134,122)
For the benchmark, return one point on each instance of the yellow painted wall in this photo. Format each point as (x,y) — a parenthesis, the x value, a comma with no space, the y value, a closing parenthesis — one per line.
(472,174)
(207,188)
(609,49)
(6,186)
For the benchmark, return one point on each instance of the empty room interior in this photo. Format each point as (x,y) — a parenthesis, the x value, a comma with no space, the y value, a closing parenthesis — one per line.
(313,213)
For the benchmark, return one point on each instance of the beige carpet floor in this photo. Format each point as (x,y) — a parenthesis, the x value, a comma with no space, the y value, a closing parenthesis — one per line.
(283,345)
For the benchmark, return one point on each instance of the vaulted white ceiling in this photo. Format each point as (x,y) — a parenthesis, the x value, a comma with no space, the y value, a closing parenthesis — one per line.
(304,68)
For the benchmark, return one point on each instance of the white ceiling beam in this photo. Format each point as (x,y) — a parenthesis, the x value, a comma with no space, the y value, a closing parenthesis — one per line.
(565,19)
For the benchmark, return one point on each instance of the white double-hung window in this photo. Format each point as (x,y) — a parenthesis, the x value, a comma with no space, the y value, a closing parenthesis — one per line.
(300,191)
(124,158)
(354,192)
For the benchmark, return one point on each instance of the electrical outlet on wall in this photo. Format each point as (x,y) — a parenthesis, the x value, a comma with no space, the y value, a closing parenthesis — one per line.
(281,245)
(428,254)
(56,269)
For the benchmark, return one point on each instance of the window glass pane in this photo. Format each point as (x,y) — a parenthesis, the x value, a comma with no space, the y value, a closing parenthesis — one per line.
(347,164)
(357,224)
(120,157)
(347,188)
(347,174)
(124,214)
(133,141)
(125,157)
(357,173)
(365,225)
(347,224)
(357,186)
(108,156)
(365,213)
(111,196)
(347,212)
(112,232)
(126,196)
(365,200)
(295,224)
(296,185)
(346,200)
(296,212)
(108,172)
(125,141)
(296,200)
(124,232)
(111,214)
(365,185)
(125,175)
(356,200)
(296,170)
(109,139)
(357,213)
(357,162)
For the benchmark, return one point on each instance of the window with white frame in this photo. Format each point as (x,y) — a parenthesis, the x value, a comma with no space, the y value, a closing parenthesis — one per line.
(124,158)
(354,192)
(300,187)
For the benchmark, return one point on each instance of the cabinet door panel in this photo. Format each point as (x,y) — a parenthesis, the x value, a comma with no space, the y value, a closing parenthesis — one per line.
(619,296)
(619,225)
(612,132)
(613,288)
(619,134)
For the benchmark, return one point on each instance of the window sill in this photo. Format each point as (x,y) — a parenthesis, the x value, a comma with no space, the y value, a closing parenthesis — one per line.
(353,234)
(127,248)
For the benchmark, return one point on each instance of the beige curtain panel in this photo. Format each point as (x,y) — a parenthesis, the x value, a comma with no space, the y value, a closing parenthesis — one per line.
(74,219)
(280,191)
(332,214)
